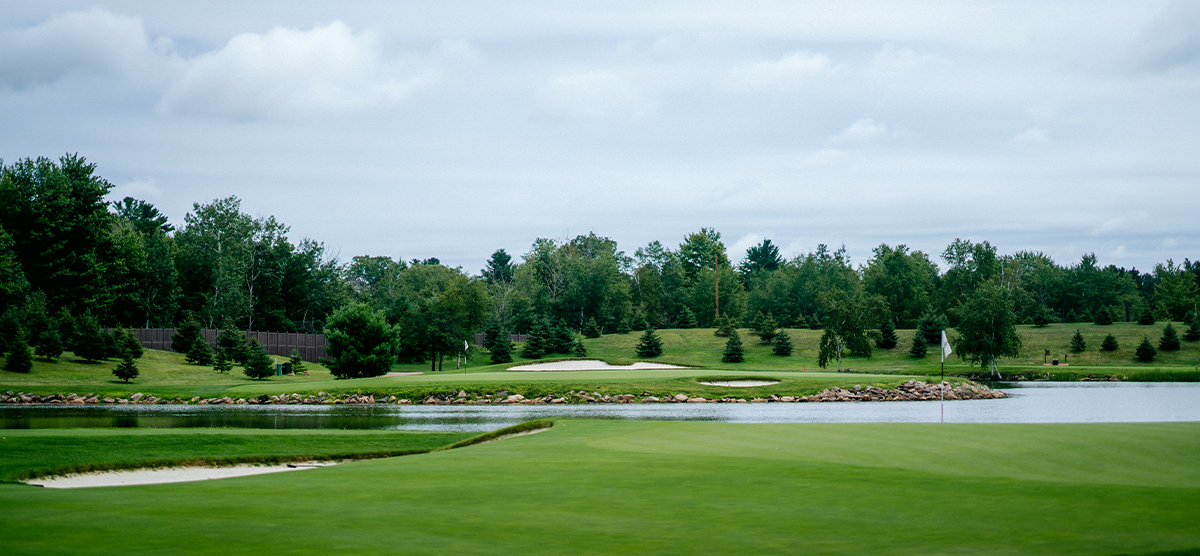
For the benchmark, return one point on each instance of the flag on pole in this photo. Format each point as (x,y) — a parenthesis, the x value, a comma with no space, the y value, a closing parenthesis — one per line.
(946,351)
(466,346)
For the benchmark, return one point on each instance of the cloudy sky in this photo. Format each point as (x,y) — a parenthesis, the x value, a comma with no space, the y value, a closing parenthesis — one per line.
(450,129)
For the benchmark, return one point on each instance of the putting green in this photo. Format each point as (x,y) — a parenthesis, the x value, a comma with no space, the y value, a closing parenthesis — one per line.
(603,487)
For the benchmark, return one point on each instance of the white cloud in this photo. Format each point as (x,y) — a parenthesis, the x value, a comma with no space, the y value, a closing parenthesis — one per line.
(287,72)
(591,95)
(1032,136)
(94,42)
(824,157)
(140,188)
(863,131)
(790,71)
(737,251)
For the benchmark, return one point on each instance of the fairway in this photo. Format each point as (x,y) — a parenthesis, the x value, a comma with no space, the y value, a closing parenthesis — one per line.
(592,487)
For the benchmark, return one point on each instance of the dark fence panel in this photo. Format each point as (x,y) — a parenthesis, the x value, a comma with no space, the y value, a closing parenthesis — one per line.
(514,338)
(311,347)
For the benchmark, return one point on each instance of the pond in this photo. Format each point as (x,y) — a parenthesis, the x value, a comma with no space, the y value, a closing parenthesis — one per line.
(1031,402)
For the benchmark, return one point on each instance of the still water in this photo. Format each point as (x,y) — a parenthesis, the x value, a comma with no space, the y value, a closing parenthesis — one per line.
(1031,402)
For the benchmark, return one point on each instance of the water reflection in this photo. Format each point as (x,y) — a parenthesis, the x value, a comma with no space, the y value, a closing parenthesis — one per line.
(1031,403)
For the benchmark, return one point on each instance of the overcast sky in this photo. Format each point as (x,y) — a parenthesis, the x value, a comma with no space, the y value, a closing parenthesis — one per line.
(451,129)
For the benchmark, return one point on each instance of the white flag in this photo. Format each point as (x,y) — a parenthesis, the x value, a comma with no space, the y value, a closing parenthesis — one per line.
(946,351)
(466,346)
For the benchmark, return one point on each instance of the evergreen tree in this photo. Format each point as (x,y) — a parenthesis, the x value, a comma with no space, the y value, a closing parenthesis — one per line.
(639,322)
(127,343)
(756,322)
(723,327)
(1169,340)
(1192,333)
(766,328)
(1146,318)
(297,362)
(19,360)
(733,349)
(650,344)
(1104,316)
(1077,343)
(782,344)
(1043,317)
(259,364)
(1110,343)
(49,345)
(360,343)
(580,350)
(814,323)
(91,343)
(561,340)
(1145,351)
(200,353)
(126,369)
(931,326)
(66,329)
(221,362)
(920,348)
(687,319)
(624,326)
(535,343)
(491,334)
(591,329)
(234,342)
(501,351)
(185,336)
(801,321)
(887,335)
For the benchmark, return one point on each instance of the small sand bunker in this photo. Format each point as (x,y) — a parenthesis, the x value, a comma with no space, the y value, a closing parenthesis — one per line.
(589,365)
(739,383)
(166,475)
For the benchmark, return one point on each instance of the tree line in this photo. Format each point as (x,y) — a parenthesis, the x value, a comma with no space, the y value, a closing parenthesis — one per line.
(67,255)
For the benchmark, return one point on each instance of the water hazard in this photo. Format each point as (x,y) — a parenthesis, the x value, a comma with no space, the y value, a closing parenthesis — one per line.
(1031,402)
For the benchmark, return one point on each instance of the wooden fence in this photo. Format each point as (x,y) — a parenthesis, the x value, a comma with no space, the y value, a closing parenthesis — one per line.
(515,338)
(311,347)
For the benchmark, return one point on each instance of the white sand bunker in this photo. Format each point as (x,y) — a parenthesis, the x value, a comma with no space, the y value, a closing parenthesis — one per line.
(740,383)
(590,365)
(166,475)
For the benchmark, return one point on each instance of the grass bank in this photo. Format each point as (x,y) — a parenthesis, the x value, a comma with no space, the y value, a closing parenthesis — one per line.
(605,487)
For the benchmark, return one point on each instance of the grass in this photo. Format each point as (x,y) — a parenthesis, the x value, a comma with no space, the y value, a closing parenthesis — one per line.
(165,374)
(604,487)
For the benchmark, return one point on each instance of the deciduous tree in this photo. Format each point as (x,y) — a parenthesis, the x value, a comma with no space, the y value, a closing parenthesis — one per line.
(987,327)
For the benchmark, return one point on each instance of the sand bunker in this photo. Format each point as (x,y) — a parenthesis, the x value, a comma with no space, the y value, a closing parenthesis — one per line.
(740,383)
(588,365)
(166,475)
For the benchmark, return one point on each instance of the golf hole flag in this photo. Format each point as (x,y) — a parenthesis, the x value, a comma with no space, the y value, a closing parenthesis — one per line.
(946,351)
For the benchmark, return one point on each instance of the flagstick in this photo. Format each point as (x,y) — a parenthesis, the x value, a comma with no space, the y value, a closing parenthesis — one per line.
(942,388)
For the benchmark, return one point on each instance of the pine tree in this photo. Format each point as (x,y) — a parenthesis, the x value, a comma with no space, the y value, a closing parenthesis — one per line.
(259,364)
(756,322)
(782,344)
(1110,343)
(687,319)
(801,322)
(235,342)
(200,353)
(185,336)
(591,329)
(1042,317)
(639,322)
(920,348)
(1146,318)
(1104,316)
(723,327)
(623,326)
(814,323)
(501,351)
(19,360)
(1192,333)
(49,344)
(1169,340)
(66,329)
(931,326)
(766,328)
(580,349)
(492,333)
(535,343)
(650,345)
(1077,343)
(887,335)
(126,369)
(1145,351)
(733,349)
(297,362)
(221,362)
(91,343)
(561,340)
(128,343)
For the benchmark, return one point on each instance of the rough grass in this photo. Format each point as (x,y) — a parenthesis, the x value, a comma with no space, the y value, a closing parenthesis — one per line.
(606,487)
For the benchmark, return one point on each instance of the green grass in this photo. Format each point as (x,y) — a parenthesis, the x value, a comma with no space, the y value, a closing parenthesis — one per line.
(605,487)
(28,453)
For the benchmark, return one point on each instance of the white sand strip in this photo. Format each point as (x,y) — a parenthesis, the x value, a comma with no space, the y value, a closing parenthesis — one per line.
(740,383)
(591,365)
(166,475)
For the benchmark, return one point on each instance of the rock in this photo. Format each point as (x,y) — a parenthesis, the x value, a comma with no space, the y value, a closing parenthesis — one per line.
(462,393)
(136,397)
(697,400)
(514,398)
(650,399)
(681,397)
(787,399)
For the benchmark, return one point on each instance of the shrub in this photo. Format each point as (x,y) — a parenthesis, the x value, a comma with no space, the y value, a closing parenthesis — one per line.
(297,362)
(1145,351)
(650,345)
(19,360)
(783,344)
(887,335)
(734,353)
(259,365)
(1110,343)
(920,348)
(359,342)
(1146,318)
(1169,340)
(1078,345)
(126,369)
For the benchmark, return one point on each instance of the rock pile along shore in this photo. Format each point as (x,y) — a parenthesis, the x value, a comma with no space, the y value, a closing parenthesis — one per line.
(913,390)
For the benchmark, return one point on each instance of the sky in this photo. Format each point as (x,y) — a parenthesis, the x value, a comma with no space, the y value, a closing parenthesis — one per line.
(451,129)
